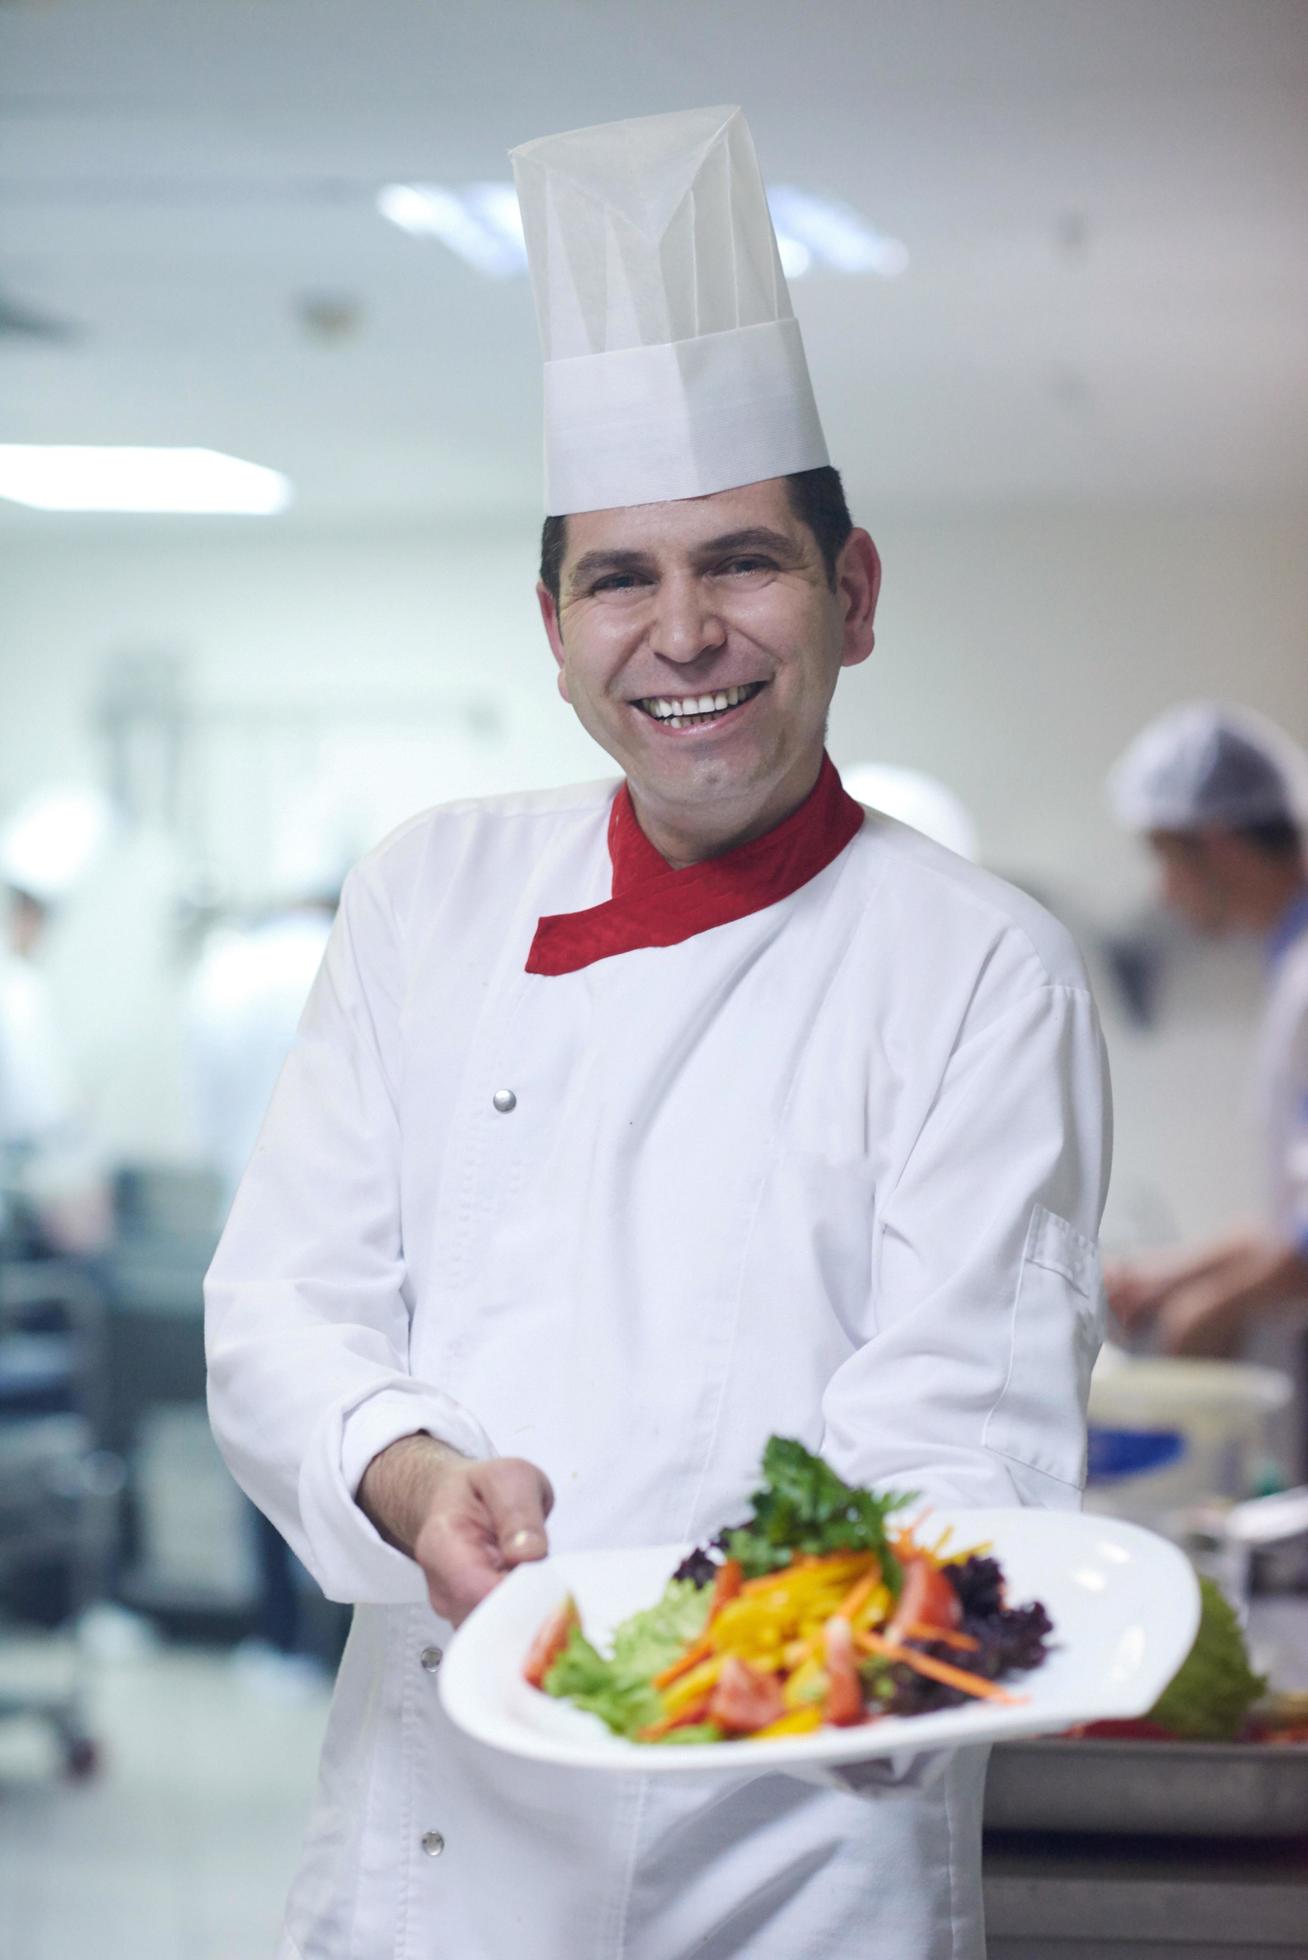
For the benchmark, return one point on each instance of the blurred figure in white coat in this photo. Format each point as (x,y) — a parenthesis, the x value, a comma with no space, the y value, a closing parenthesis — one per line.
(1221,796)
(53,1193)
(246,998)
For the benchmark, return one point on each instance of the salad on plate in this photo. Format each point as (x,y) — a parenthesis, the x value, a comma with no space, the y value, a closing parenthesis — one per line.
(827,1606)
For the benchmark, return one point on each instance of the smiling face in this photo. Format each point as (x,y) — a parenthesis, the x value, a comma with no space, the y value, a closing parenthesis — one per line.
(700,642)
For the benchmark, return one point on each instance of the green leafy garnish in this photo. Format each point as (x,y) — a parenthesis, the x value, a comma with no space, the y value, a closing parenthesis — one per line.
(621,1691)
(1214,1688)
(805,1509)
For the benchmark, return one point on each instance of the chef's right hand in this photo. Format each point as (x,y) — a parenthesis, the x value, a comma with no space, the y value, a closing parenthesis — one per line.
(465,1523)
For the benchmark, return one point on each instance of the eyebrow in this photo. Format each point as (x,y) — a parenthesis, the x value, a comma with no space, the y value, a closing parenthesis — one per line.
(773,544)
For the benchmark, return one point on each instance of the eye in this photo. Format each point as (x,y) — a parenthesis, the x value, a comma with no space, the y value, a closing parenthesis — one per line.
(618,582)
(746,563)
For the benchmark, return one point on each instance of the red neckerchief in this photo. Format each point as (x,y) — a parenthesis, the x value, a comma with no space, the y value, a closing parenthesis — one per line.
(653,905)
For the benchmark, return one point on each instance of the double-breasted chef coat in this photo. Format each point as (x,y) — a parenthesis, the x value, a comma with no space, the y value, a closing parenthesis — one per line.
(832,1168)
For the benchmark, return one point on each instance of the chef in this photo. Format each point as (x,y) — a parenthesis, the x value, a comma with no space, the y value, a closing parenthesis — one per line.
(1221,796)
(632,1122)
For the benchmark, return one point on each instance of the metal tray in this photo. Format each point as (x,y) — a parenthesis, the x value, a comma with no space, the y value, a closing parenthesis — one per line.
(1154,1789)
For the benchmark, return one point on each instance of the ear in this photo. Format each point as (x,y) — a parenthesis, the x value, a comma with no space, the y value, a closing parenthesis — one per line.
(858,586)
(549,613)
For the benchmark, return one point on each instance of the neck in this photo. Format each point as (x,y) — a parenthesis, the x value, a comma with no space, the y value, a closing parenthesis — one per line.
(685,836)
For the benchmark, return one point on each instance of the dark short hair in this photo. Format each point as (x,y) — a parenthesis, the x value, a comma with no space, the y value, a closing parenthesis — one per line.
(817,498)
(1279,838)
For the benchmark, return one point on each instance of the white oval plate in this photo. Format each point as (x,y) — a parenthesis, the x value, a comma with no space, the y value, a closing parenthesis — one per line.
(1124,1603)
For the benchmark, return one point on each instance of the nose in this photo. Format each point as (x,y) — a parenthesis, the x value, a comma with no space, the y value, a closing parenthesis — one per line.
(685,623)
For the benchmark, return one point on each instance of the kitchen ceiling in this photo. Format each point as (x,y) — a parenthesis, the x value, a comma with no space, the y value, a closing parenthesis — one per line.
(1105,209)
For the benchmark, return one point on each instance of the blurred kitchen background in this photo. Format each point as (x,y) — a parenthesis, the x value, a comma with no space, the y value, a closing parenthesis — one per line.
(1051,270)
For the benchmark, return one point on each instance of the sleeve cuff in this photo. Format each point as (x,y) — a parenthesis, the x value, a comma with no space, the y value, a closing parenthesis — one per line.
(396,1412)
(351,1561)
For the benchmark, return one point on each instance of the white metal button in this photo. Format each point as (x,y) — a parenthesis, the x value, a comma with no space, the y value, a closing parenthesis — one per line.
(433,1843)
(504,1100)
(431,1658)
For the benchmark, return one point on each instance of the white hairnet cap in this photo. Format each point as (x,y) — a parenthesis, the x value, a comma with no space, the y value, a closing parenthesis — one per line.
(673,360)
(917,799)
(1206,763)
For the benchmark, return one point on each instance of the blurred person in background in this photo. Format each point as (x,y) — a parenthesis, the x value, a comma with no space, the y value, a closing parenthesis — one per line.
(245,1000)
(631,1122)
(54,1196)
(1220,796)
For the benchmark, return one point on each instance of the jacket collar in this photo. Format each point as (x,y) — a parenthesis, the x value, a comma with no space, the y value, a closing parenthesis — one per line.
(653,905)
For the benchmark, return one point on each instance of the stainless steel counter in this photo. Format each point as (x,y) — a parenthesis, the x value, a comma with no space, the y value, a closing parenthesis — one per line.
(1096,1894)
(1065,1898)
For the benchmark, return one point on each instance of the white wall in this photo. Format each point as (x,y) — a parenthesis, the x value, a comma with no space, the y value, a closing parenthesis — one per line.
(1017,652)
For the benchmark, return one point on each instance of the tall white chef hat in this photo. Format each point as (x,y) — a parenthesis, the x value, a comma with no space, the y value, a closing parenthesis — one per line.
(673,361)
(1207,763)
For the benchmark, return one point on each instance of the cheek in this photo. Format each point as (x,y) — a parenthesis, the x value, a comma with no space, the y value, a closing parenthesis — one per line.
(786,625)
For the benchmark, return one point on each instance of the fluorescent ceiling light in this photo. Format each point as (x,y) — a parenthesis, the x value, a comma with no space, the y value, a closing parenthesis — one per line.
(68,476)
(481,223)
(834,235)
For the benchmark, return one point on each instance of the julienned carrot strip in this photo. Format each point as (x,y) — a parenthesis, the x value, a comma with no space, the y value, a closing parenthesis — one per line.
(698,1651)
(666,1723)
(859,1594)
(729,1580)
(919,1630)
(726,1585)
(952,1677)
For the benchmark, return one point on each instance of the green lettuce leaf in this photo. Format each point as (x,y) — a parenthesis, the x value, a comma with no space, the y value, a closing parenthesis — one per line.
(620,1690)
(1214,1688)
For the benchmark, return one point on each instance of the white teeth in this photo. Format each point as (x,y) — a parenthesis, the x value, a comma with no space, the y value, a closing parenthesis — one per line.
(673,712)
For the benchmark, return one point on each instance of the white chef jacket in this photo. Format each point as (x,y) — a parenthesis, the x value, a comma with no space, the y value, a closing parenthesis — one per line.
(833,1169)
(1284,1078)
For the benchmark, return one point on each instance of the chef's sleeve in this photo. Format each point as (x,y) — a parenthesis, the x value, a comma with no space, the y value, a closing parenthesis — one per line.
(307,1313)
(986,1301)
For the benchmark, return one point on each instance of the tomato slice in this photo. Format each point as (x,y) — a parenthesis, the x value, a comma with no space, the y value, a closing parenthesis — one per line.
(844,1703)
(745,1698)
(550,1641)
(926,1599)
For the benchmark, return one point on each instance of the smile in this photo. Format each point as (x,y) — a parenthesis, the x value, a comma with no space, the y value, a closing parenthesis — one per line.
(693,710)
